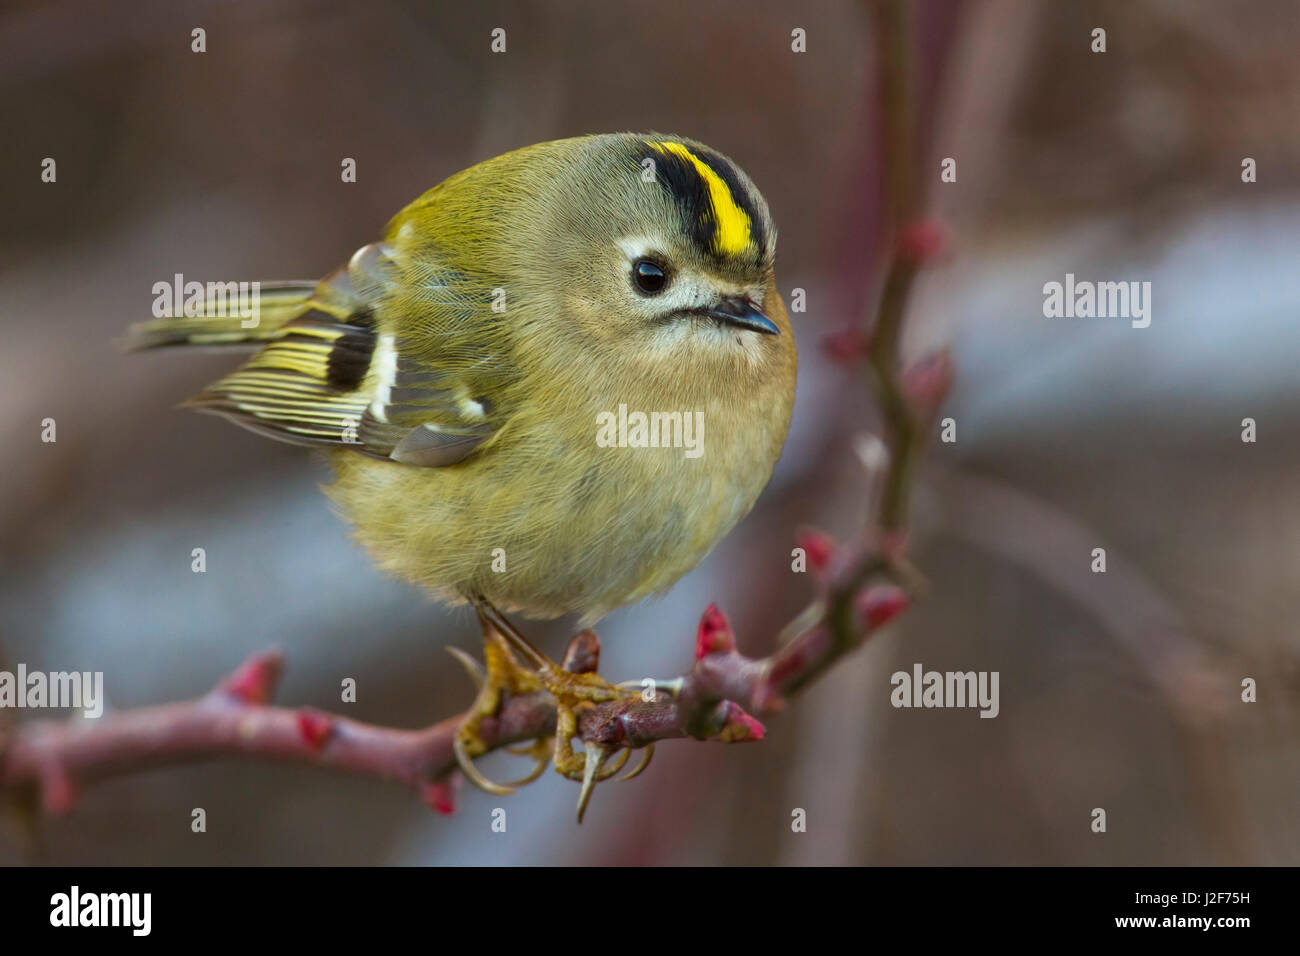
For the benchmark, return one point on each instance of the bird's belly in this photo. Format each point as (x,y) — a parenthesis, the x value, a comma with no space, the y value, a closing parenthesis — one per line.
(564,540)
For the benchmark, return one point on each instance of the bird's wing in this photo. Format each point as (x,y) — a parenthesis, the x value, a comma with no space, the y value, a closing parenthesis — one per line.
(389,357)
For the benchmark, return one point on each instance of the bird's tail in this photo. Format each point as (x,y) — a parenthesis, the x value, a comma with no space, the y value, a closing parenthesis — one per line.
(245,314)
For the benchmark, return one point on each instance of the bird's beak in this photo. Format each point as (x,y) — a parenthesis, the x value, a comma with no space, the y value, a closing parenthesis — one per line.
(740,312)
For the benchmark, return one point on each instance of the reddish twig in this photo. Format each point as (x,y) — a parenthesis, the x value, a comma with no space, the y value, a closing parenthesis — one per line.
(714,701)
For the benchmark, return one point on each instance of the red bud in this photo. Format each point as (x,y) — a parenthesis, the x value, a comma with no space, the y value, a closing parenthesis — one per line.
(441,794)
(254,682)
(583,653)
(314,727)
(923,241)
(818,546)
(926,383)
(738,726)
(714,635)
(879,605)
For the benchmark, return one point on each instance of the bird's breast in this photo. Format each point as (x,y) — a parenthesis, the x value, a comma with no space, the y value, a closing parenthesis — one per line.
(574,507)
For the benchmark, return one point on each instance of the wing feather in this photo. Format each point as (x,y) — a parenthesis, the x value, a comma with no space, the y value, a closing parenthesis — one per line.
(348,372)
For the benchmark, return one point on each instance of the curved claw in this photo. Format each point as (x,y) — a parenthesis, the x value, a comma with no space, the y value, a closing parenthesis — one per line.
(532,775)
(472,667)
(647,754)
(589,773)
(472,772)
(615,767)
(540,751)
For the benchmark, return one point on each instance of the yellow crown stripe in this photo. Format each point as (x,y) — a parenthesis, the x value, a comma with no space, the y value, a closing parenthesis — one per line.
(733,235)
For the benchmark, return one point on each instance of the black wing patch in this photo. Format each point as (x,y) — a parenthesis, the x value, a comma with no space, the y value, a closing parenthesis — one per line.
(303,387)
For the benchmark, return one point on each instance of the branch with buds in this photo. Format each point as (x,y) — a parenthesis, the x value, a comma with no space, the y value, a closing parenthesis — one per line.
(716,700)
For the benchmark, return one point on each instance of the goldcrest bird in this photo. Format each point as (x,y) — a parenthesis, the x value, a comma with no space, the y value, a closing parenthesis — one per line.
(458,370)
(461,370)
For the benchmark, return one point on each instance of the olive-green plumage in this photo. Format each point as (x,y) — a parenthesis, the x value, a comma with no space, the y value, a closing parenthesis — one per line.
(459,368)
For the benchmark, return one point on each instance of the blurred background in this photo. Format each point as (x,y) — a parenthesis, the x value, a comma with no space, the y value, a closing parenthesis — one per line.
(1118,690)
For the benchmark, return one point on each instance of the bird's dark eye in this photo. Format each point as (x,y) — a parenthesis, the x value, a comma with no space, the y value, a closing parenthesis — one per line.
(649,276)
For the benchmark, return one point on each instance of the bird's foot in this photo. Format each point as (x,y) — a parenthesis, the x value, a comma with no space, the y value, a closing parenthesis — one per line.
(576,687)
(504,676)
